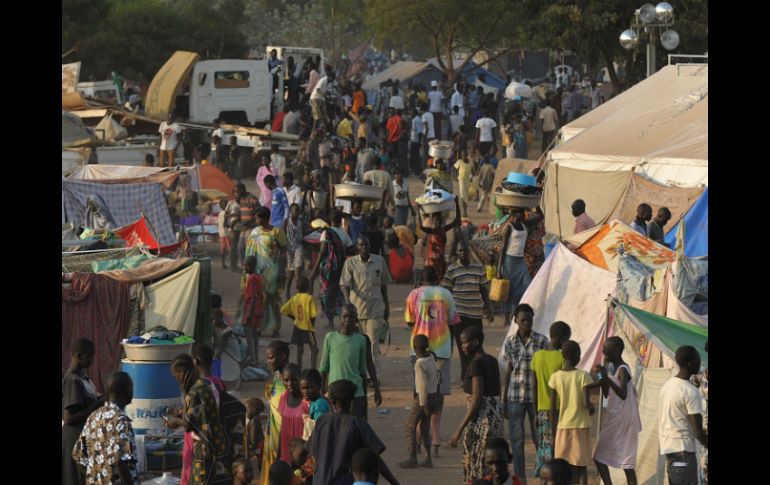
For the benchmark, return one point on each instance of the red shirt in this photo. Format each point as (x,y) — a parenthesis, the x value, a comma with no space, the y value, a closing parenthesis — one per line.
(401,267)
(278,121)
(252,300)
(394,128)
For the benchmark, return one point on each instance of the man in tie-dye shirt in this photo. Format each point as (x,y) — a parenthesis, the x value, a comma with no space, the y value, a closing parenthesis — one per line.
(430,310)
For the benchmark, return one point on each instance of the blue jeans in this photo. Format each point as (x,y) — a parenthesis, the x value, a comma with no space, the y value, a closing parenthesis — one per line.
(516,414)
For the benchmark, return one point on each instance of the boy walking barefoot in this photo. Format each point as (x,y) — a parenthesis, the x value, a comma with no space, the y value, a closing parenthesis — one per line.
(425,401)
(302,309)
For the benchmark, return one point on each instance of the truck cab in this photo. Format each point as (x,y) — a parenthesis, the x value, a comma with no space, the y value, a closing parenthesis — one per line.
(233,90)
(300,56)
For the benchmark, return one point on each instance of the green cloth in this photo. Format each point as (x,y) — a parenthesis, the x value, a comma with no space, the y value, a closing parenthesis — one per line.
(184,339)
(129,262)
(344,357)
(666,333)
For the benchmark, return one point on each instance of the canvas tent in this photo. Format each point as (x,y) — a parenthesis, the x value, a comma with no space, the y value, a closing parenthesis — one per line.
(619,194)
(573,290)
(696,239)
(404,71)
(658,128)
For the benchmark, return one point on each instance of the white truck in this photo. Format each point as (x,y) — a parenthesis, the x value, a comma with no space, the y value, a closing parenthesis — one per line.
(237,91)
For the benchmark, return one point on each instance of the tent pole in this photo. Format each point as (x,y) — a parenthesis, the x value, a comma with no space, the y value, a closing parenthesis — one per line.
(558,202)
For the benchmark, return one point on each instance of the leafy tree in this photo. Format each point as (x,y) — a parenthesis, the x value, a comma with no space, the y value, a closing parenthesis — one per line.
(448,26)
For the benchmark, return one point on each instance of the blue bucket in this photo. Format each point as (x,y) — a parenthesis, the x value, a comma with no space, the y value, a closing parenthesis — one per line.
(521,178)
(155,390)
(216,367)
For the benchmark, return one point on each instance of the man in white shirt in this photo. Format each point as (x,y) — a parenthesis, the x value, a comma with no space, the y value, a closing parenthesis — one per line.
(168,141)
(436,100)
(458,100)
(293,192)
(396,101)
(549,118)
(456,120)
(415,135)
(485,134)
(318,99)
(428,126)
(680,420)
(277,161)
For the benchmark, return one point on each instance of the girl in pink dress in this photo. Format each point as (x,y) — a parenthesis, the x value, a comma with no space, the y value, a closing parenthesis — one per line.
(265,194)
(291,407)
(620,425)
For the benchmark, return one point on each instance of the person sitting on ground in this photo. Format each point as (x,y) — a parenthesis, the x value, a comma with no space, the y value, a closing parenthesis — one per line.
(643,216)
(655,226)
(337,435)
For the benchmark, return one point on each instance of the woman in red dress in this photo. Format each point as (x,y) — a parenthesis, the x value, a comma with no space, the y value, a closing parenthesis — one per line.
(437,239)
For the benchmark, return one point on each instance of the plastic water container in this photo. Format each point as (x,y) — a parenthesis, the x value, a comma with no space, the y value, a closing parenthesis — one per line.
(155,390)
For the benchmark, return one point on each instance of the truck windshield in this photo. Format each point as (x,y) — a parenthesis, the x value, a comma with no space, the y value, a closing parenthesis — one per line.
(231,79)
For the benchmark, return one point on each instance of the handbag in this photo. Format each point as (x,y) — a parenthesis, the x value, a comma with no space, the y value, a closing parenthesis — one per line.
(498,290)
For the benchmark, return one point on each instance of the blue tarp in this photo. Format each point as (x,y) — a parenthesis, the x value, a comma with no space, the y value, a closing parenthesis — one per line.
(696,237)
(471,71)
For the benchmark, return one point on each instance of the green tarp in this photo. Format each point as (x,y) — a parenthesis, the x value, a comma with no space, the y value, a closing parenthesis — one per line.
(666,333)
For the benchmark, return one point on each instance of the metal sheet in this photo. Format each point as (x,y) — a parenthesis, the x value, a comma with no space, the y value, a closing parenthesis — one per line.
(166,83)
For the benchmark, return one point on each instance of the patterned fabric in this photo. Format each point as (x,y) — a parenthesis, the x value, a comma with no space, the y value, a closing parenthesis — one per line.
(435,256)
(331,272)
(534,252)
(106,440)
(126,202)
(202,413)
(273,392)
(265,244)
(432,310)
(544,440)
(519,355)
(487,425)
(81,263)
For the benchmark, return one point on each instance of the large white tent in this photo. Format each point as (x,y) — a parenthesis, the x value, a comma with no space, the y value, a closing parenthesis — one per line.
(658,128)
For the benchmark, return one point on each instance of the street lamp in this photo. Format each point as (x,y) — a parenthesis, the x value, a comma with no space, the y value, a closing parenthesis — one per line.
(651,19)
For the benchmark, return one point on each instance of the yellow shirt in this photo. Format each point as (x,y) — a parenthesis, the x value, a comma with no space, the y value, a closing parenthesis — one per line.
(345,129)
(491,272)
(302,307)
(569,388)
(464,171)
(544,364)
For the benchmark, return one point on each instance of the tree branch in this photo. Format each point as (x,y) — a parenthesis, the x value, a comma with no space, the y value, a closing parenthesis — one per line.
(484,42)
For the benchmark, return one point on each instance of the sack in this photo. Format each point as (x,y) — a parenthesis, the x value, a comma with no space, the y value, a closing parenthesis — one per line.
(498,290)
(384,333)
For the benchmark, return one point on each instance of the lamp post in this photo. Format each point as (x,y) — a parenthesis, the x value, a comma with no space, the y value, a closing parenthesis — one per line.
(652,19)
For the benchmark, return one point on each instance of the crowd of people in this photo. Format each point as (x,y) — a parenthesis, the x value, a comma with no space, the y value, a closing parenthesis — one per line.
(295,230)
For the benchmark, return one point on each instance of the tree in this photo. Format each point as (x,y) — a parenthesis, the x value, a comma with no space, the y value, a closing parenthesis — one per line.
(591,29)
(448,26)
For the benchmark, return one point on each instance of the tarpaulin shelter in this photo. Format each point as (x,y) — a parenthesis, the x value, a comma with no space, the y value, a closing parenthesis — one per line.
(73,131)
(696,239)
(677,199)
(602,249)
(650,345)
(658,128)
(570,289)
(126,202)
(472,72)
(210,177)
(126,174)
(405,71)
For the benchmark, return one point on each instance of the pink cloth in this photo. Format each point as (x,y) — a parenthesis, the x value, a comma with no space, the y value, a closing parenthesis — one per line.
(583,222)
(187,458)
(265,194)
(291,423)
(619,434)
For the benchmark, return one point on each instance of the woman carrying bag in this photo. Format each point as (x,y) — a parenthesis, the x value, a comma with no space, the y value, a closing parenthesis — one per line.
(511,265)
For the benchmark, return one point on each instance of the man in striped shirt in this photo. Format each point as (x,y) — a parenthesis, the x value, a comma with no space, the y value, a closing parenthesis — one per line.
(467,281)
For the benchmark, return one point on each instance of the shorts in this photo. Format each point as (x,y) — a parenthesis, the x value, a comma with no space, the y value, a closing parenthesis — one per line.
(302,337)
(294,259)
(224,244)
(318,107)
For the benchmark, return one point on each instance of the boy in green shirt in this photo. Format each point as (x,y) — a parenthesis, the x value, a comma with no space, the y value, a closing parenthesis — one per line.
(344,357)
(544,364)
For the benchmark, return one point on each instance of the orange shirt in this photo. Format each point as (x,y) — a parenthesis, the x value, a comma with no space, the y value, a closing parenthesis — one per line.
(358,101)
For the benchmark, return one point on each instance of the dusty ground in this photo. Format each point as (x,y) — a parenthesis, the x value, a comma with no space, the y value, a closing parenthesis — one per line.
(396,376)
